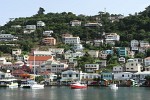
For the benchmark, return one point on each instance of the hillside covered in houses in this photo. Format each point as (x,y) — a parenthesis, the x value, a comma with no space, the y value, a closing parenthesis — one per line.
(57,42)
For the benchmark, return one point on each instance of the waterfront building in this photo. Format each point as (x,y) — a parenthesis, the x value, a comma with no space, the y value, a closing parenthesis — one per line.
(123,76)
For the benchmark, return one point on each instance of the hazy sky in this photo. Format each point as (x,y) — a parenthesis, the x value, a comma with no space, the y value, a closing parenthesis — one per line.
(27,8)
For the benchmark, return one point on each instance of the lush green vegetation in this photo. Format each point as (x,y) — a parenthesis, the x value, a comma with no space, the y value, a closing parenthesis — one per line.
(135,26)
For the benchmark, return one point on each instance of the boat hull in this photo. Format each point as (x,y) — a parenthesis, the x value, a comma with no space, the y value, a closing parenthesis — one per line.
(78,86)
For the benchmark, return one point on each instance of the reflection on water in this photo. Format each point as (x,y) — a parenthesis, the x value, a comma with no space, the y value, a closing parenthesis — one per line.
(65,93)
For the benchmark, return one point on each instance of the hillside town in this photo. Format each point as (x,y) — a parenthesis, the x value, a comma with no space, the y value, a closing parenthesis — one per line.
(57,65)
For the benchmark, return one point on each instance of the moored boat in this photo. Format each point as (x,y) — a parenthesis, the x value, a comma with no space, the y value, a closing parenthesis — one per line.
(78,85)
(113,86)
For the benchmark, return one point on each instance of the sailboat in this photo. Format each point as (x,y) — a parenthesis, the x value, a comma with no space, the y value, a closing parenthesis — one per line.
(35,85)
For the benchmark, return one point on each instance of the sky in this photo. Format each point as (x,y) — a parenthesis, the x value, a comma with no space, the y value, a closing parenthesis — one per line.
(26,8)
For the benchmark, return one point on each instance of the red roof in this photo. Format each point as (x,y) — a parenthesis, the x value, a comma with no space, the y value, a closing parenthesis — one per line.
(39,58)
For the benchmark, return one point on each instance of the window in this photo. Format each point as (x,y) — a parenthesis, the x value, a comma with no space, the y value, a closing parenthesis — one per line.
(70,75)
(64,75)
(77,75)
(122,75)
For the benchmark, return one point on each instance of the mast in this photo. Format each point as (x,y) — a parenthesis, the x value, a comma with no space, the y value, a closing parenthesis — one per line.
(34,65)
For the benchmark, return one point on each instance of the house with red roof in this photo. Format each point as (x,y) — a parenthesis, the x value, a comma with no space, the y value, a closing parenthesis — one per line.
(37,61)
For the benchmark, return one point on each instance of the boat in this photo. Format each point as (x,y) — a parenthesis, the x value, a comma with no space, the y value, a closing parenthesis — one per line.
(11,83)
(35,85)
(78,85)
(26,84)
(113,86)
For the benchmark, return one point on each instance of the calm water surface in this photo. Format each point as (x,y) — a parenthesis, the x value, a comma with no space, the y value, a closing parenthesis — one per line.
(65,93)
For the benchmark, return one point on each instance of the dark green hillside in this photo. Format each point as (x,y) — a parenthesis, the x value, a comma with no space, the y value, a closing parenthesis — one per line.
(132,27)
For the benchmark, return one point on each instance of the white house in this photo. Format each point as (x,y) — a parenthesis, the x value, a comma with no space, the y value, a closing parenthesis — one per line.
(75,23)
(118,69)
(71,40)
(57,50)
(48,33)
(93,53)
(133,66)
(140,76)
(70,54)
(92,24)
(2,60)
(98,42)
(144,44)
(78,47)
(40,24)
(16,52)
(43,53)
(31,27)
(103,55)
(112,37)
(122,59)
(123,76)
(69,75)
(134,44)
(147,61)
(8,37)
(91,67)
(54,66)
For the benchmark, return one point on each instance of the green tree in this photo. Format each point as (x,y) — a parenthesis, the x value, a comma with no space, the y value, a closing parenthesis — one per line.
(41,11)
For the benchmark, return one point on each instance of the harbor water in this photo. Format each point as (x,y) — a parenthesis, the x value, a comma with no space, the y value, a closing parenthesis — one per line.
(65,93)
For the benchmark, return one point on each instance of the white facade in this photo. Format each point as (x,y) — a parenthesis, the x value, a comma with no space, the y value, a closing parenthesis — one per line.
(93,53)
(123,76)
(2,60)
(91,67)
(98,42)
(133,66)
(54,66)
(122,59)
(117,69)
(73,55)
(31,27)
(92,24)
(103,55)
(40,24)
(69,75)
(16,52)
(57,50)
(43,53)
(71,40)
(112,37)
(134,43)
(75,23)
(78,47)
(144,44)
(8,37)
(147,61)
(140,76)
(48,33)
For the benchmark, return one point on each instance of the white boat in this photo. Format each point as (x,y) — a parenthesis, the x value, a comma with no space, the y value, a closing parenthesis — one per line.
(113,86)
(11,83)
(37,86)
